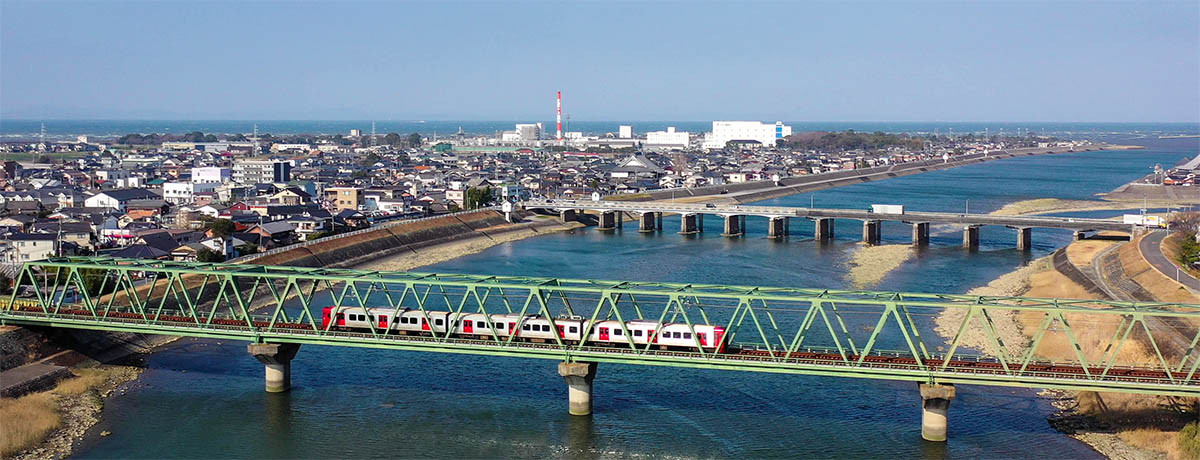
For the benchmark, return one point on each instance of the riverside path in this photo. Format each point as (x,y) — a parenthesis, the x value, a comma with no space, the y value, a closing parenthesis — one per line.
(582,322)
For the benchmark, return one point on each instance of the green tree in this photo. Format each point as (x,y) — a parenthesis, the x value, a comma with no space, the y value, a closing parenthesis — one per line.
(370,159)
(414,140)
(222,228)
(208,255)
(392,139)
(478,197)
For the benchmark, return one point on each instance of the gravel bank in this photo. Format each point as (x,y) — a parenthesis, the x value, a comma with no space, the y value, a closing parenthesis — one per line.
(870,264)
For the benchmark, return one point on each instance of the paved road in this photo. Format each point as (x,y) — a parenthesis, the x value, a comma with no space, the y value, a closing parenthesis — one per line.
(1151,247)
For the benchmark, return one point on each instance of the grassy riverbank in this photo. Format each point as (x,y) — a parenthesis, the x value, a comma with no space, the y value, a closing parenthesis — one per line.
(47,424)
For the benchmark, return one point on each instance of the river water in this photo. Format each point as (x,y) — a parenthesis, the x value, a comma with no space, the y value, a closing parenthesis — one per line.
(205,399)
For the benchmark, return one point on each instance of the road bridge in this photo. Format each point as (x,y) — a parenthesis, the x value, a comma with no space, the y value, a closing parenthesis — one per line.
(692,218)
(823,332)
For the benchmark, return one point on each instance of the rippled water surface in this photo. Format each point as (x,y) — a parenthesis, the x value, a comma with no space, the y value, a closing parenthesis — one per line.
(204,399)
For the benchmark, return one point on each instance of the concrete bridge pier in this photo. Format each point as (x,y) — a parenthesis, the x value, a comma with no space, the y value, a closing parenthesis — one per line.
(824,228)
(649,222)
(777,227)
(608,221)
(735,226)
(1078,235)
(971,236)
(567,215)
(920,233)
(579,377)
(689,224)
(1024,238)
(871,231)
(935,400)
(277,357)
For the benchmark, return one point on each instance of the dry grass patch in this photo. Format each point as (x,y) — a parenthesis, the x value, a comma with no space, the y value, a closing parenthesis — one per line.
(1166,442)
(27,421)
(86,380)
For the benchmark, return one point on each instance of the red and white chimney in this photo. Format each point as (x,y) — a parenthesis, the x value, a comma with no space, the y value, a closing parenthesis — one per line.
(558,118)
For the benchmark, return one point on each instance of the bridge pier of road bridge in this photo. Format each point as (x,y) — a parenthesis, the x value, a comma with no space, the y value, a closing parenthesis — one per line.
(650,222)
(691,223)
(611,220)
(735,225)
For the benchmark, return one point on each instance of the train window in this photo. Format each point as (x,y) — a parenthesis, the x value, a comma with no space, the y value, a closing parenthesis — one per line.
(525,327)
(545,328)
(499,325)
(618,332)
(700,335)
(438,322)
(687,335)
(637,332)
(480,324)
(573,329)
(676,335)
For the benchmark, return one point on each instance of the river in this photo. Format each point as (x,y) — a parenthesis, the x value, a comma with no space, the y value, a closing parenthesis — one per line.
(204,399)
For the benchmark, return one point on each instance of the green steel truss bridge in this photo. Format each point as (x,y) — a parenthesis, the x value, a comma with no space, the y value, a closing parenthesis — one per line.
(1148,348)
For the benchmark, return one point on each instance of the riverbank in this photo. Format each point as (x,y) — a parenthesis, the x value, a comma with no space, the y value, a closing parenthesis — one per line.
(46,425)
(454,249)
(1118,426)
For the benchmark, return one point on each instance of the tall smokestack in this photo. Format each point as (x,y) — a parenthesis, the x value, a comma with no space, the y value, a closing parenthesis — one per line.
(558,118)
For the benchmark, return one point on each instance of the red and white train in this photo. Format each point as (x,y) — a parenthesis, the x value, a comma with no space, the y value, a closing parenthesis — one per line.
(530,328)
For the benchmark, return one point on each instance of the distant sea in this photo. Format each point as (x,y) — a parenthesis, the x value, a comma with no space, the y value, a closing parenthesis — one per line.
(15,130)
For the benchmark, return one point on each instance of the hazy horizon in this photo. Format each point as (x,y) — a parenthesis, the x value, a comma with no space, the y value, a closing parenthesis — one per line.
(1106,62)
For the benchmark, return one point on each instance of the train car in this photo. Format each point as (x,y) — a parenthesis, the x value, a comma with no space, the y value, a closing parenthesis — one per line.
(481,325)
(526,328)
(679,335)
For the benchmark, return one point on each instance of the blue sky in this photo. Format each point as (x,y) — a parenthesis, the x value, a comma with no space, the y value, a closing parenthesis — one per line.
(838,61)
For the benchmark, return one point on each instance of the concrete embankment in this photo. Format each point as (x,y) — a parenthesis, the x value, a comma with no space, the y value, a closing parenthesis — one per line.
(412,238)
(748,192)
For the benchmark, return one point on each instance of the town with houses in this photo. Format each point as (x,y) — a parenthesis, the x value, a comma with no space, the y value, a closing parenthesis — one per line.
(217,197)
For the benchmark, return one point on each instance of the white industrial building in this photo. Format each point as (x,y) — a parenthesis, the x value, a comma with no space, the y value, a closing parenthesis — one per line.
(669,139)
(625,132)
(725,131)
(524,133)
